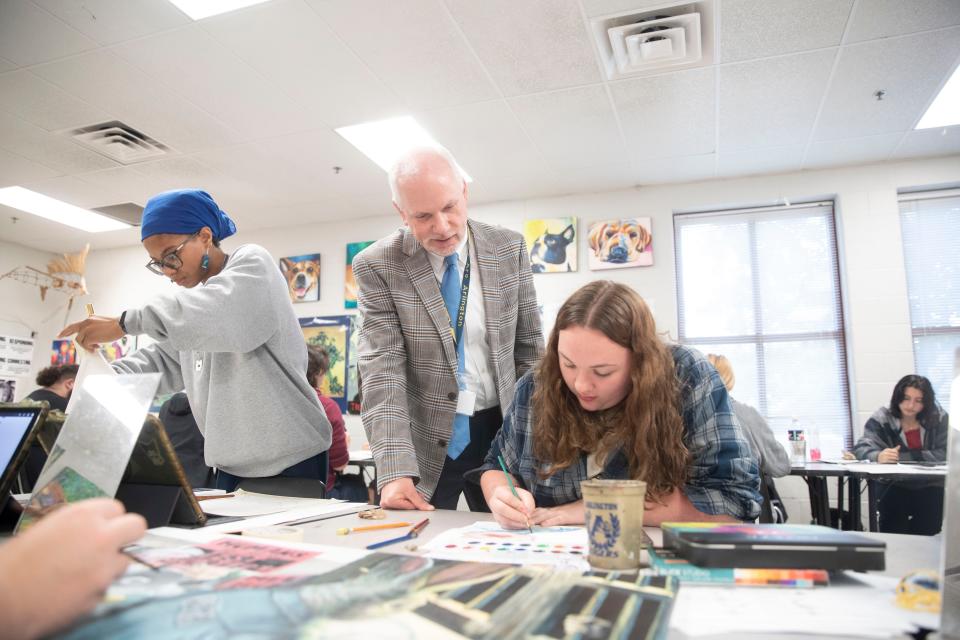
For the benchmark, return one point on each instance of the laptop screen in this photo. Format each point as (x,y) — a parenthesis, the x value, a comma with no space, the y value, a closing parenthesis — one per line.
(16,425)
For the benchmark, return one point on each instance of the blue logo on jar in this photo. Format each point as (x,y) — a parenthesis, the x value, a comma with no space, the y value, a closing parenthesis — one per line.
(604,536)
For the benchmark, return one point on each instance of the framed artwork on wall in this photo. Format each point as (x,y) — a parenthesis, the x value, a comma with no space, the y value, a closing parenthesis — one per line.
(552,243)
(617,243)
(303,277)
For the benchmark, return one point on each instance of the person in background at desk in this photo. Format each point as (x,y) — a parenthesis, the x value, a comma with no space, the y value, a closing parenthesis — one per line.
(774,460)
(611,400)
(450,322)
(912,429)
(58,570)
(318,363)
(56,384)
(230,338)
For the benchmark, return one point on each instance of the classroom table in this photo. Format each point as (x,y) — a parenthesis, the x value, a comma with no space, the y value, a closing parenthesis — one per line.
(815,474)
(363,459)
(874,473)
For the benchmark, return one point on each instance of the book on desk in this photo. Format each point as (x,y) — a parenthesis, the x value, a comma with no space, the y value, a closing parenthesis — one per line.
(781,546)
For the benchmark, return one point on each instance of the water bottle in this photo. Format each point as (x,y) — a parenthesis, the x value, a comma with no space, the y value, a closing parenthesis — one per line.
(798,444)
(814,441)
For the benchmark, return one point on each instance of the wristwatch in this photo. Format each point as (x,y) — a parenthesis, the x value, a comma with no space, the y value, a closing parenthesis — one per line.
(120,322)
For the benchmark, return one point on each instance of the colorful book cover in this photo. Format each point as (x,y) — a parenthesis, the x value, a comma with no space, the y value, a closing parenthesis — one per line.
(665,562)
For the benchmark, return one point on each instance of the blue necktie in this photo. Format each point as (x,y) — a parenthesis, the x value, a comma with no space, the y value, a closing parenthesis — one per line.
(450,290)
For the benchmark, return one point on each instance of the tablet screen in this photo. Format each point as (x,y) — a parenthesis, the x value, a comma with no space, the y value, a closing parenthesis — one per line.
(16,424)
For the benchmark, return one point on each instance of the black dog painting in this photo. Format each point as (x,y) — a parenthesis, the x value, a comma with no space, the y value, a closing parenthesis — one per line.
(552,243)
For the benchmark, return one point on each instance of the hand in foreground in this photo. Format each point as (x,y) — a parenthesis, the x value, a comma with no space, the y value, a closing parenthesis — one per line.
(508,510)
(401,494)
(889,455)
(572,513)
(94,331)
(60,568)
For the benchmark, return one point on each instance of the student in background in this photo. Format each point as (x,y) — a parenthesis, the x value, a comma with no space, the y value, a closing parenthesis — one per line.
(912,429)
(318,363)
(229,337)
(774,460)
(56,385)
(58,569)
(187,441)
(611,400)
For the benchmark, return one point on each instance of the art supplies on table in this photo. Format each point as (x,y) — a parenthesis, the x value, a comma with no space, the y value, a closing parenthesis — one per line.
(666,562)
(410,535)
(489,542)
(784,546)
(247,504)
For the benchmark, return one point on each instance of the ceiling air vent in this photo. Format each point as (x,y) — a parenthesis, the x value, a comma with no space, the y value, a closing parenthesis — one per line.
(124,212)
(119,142)
(654,40)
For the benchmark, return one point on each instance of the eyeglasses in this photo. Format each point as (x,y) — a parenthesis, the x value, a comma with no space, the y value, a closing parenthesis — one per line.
(170,260)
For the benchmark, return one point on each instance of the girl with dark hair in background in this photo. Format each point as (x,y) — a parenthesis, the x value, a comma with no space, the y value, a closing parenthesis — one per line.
(609,399)
(318,363)
(912,429)
(56,384)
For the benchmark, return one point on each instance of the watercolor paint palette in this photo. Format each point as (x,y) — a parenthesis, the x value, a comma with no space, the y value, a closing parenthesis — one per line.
(487,542)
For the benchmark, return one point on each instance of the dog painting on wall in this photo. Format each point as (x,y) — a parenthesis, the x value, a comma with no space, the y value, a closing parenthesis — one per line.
(619,243)
(303,277)
(552,243)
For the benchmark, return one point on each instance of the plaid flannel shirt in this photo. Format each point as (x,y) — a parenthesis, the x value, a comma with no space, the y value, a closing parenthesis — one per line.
(724,476)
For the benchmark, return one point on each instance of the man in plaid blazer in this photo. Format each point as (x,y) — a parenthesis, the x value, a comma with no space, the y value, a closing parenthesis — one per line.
(408,354)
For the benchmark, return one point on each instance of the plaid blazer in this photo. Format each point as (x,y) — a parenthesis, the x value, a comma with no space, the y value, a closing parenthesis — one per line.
(408,361)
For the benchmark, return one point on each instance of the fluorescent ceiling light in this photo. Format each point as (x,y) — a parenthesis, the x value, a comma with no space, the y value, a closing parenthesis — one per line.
(945,110)
(51,209)
(386,140)
(200,9)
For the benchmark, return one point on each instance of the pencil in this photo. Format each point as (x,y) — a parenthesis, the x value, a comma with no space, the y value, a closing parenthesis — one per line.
(413,533)
(137,558)
(513,489)
(214,497)
(373,527)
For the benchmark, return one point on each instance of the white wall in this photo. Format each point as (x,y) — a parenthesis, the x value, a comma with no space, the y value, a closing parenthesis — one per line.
(24,315)
(876,306)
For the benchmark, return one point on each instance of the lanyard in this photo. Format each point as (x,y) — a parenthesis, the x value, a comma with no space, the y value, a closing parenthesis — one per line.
(457,327)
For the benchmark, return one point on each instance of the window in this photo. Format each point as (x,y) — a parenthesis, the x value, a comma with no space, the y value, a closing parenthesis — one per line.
(762,287)
(930,223)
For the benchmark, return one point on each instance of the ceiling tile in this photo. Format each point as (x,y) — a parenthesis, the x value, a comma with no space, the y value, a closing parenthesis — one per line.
(29,35)
(676,169)
(195,66)
(530,46)
(40,103)
(909,69)
(75,191)
(851,150)
(15,170)
(123,184)
(572,127)
(760,28)
(929,142)
(884,18)
(492,147)
(6,65)
(437,67)
(289,44)
(772,102)
(669,115)
(109,21)
(52,150)
(596,8)
(104,81)
(603,177)
(760,161)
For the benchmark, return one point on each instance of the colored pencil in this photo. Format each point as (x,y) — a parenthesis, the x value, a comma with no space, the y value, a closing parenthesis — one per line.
(373,527)
(513,489)
(410,535)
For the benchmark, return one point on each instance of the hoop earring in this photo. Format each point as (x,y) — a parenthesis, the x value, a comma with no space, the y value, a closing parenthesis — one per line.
(205,260)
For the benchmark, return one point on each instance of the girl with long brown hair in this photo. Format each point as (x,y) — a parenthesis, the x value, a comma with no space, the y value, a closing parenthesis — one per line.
(609,399)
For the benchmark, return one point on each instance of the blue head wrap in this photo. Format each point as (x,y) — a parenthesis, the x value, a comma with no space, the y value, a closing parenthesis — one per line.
(184,211)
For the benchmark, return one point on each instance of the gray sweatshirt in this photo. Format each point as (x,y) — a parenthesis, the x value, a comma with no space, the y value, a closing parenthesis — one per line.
(235,346)
(774,461)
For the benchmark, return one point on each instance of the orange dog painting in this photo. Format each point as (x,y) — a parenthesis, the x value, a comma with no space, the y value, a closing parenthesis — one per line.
(303,277)
(619,243)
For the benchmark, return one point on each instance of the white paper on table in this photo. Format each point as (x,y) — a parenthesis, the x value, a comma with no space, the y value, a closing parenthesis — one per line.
(564,547)
(357,455)
(859,605)
(326,509)
(246,504)
(91,364)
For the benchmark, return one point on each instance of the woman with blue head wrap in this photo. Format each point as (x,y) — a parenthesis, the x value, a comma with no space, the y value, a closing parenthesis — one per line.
(230,338)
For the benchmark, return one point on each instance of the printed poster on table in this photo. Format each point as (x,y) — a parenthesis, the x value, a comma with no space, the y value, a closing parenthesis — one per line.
(16,355)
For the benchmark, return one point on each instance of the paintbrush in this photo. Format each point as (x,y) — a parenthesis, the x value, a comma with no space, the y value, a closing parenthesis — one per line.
(513,489)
